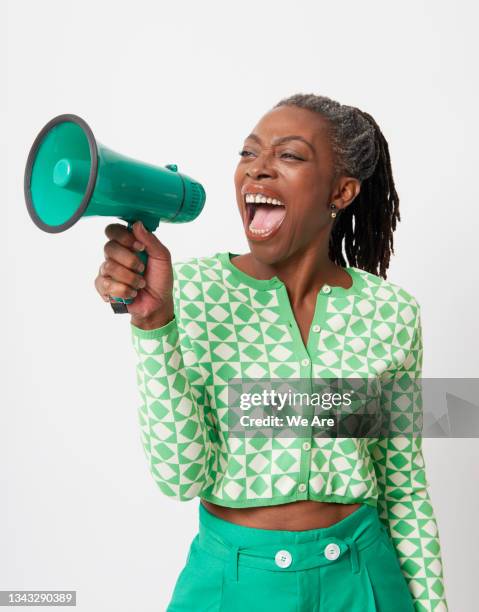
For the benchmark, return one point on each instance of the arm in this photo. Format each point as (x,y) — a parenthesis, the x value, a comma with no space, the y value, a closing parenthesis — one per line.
(174,433)
(404,505)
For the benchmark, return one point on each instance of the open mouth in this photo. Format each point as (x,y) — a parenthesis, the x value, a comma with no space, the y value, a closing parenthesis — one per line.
(263,214)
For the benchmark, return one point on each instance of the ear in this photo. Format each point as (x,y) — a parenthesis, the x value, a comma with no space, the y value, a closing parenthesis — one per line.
(347,189)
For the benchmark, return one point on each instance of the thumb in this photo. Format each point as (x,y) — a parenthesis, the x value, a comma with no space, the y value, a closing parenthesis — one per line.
(153,246)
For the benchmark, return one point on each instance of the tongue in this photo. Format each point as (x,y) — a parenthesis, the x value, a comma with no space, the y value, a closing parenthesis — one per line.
(267,216)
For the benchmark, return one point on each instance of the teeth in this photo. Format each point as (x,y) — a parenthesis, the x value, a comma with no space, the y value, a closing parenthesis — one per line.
(259,231)
(263,232)
(257,198)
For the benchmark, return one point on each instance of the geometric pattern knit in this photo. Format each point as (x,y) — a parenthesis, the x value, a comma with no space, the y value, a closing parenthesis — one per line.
(229,325)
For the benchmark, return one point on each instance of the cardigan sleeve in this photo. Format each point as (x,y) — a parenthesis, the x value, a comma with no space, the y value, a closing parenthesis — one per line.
(404,504)
(174,434)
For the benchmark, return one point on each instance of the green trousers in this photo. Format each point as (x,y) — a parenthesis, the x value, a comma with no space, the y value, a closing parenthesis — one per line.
(350,566)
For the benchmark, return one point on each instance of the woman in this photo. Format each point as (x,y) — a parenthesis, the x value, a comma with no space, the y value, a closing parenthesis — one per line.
(310,524)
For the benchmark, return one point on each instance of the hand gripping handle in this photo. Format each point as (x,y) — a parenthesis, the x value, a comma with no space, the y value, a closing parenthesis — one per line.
(119,304)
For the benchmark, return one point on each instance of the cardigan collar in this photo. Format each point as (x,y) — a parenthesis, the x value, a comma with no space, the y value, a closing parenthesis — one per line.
(276,283)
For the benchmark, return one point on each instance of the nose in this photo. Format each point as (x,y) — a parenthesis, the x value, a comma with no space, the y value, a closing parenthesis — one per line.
(261,167)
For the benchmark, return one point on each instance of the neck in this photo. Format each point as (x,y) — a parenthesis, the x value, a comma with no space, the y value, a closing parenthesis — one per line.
(303,272)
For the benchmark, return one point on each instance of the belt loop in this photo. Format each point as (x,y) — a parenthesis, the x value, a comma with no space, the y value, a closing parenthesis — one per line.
(353,551)
(234,552)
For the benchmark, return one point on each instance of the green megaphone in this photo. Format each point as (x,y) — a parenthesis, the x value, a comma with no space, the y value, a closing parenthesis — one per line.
(70,175)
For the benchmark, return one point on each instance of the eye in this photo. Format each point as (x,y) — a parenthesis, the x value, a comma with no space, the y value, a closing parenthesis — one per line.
(291,156)
(245,153)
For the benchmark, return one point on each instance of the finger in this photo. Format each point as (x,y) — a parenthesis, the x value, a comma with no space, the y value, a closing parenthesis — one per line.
(100,289)
(120,233)
(116,289)
(153,246)
(116,271)
(124,256)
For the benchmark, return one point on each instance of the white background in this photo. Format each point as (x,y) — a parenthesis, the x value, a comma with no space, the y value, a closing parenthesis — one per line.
(185,82)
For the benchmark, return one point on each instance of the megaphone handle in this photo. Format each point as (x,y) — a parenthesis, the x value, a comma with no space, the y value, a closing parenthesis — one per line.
(144,258)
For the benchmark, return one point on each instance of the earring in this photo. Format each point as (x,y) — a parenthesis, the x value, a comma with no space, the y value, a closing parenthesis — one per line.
(333,214)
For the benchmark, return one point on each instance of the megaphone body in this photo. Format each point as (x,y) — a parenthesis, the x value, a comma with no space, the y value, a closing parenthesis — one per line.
(70,175)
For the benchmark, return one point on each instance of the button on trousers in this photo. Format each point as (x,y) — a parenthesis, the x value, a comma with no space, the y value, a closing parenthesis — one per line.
(350,566)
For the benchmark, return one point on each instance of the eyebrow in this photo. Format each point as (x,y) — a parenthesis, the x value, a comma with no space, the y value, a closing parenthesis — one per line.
(283,139)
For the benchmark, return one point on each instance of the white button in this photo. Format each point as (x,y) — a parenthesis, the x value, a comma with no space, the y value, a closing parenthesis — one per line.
(326,288)
(302,487)
(316,328)
(283,558)
(305,362)
(306,446)
(332,551)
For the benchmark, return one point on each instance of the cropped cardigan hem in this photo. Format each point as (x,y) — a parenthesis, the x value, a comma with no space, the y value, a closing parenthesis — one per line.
(286,499)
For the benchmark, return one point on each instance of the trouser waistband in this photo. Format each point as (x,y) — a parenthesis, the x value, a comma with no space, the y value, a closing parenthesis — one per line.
(288,551)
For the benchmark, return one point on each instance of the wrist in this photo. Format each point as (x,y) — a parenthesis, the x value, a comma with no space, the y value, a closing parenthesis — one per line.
(154,320)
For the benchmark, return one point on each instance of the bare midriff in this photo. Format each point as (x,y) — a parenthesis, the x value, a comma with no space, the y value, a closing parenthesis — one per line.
(292,516)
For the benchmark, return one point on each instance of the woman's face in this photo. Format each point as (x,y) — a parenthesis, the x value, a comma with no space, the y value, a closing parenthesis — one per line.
(287,157)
